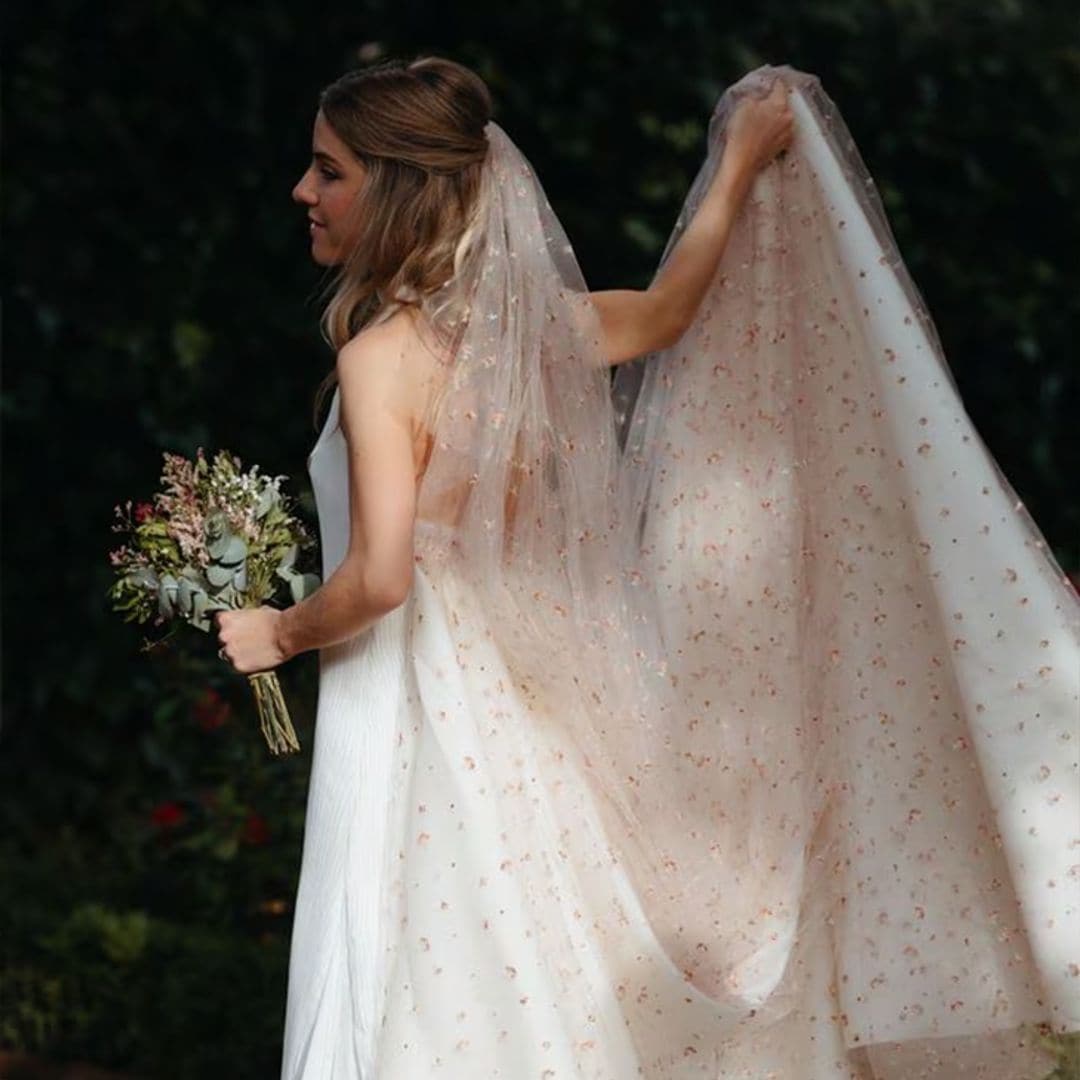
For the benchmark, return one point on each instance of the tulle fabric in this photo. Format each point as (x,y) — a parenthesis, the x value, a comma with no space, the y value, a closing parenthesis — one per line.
(851,593)
(727,730)
(832,696)
(525,487)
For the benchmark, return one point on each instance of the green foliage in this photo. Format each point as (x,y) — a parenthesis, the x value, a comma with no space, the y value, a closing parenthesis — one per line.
(1066,1048)
(214,538)
(144,925)
(156,268)
(123,989)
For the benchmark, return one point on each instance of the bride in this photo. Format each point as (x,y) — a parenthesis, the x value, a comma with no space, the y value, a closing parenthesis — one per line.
(668,734)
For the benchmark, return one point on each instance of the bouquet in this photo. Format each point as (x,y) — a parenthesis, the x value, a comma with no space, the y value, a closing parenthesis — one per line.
(214,538)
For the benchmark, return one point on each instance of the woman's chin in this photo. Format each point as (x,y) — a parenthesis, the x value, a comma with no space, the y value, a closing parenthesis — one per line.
(323,256)
(323,253)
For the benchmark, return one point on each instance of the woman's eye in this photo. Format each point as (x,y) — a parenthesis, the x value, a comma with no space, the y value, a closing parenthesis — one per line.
(328,175)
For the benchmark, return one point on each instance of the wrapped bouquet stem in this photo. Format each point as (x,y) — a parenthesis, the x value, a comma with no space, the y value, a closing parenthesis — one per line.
(213,539)
(274,717)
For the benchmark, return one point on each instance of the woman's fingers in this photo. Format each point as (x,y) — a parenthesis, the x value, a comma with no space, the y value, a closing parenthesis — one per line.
(764,126)
(217,617)
(782,120)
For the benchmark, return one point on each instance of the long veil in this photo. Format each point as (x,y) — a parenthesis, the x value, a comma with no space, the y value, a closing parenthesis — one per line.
(850,592)
(777,701)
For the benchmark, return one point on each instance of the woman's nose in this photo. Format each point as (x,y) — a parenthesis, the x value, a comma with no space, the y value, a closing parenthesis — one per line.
(301,194)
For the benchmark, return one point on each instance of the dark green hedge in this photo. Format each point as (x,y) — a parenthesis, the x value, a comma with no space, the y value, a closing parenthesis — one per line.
(158,295)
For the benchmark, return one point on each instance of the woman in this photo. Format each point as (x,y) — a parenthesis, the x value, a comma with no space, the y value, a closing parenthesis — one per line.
(503,871)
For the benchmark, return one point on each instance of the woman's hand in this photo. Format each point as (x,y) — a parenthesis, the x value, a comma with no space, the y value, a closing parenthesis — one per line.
(249,639)
(760,128)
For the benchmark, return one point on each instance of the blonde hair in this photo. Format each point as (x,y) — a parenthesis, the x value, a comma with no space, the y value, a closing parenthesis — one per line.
(418,128)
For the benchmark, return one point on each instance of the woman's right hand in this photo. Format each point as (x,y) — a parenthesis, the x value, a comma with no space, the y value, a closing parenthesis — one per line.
(760,128)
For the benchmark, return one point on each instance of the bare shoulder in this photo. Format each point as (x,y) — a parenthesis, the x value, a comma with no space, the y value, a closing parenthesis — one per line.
(384,366)
(375,348)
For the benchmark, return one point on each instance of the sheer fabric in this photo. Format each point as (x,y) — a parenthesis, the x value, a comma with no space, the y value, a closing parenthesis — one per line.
(731,752)
(853,598)
(540,540)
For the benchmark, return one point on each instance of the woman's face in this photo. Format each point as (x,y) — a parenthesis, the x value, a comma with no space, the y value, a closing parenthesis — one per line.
(328,189)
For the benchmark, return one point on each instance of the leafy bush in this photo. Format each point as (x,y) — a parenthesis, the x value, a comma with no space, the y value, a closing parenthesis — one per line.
(148,845)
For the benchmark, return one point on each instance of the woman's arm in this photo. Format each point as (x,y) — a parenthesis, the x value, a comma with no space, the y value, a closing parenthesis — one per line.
(640,321)
(376,573)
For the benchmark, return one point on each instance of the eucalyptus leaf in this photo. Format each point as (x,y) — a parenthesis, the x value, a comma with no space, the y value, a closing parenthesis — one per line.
(235,551)
(167,596)
(200,616)
(219,575)
(296,588)
(218,535)
(144,578)
(302,586)
(184,593)
(240,578)
(226,597)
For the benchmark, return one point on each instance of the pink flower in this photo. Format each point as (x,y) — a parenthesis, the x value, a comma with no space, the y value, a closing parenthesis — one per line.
(167,815)
(143,511)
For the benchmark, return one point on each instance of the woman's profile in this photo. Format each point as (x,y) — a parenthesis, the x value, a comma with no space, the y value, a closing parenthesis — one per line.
(577,806)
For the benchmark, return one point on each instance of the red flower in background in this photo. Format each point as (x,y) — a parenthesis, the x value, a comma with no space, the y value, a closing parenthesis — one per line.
(167,815)
(143,511)
(211,710)
(255,830)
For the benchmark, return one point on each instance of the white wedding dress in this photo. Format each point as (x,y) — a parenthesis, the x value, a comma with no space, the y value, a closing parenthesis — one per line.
(458,915)
(401,798)
(404,771)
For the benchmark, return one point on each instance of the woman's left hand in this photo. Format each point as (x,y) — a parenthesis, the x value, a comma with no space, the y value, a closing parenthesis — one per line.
(760,128)
(249,639)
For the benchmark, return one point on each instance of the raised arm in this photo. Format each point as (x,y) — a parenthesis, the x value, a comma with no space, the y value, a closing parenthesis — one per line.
(639,321)
(376,573)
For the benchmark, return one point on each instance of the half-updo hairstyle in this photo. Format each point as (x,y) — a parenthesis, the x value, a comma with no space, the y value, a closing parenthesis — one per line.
(418,128)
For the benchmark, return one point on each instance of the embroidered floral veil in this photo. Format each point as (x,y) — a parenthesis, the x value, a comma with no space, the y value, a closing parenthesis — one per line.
(789,684)
(854,600)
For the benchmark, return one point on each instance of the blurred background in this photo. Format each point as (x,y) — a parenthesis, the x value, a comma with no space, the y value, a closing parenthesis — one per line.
(158,295)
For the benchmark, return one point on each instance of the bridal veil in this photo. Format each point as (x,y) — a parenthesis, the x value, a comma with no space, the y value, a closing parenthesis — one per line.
(779,621)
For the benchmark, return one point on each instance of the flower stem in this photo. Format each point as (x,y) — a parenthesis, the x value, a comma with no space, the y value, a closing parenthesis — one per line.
(274,718)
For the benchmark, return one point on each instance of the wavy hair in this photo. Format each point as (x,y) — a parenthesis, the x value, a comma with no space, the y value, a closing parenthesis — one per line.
(418,128)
